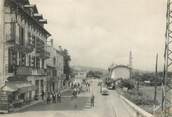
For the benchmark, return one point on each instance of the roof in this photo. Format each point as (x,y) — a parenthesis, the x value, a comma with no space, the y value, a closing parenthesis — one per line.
(120,66)
(24,2)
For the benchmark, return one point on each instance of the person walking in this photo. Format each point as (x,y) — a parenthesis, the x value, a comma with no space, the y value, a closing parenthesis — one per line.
(54,97)
(59,97)
(48,98)
(42,95)
(92,100)
(88,87)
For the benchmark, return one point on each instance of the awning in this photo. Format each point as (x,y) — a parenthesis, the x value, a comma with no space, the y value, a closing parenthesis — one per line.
(19,86)
(25,87)
(9,88)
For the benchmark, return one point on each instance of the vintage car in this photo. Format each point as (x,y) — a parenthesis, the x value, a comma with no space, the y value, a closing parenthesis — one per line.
(104,91)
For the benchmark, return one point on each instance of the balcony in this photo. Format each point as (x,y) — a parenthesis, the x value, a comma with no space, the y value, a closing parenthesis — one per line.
(21,70)
(39,72)
(29,47)
(29,71)
(23,48)
(12,41)
(43,54)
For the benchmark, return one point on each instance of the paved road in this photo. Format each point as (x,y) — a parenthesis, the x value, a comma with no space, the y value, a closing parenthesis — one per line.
(105,106)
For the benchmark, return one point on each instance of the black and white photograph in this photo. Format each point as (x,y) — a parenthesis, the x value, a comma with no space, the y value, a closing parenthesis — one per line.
(85,58)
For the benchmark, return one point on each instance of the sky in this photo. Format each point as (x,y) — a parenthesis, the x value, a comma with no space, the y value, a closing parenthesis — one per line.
(98,33)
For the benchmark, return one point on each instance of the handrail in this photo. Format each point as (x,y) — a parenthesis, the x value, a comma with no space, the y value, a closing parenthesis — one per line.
(139,111)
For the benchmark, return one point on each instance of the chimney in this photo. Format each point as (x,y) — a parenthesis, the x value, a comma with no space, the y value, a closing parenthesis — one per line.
(60,48)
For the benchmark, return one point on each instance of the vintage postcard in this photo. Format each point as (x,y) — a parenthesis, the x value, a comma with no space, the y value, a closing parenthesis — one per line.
(85,58)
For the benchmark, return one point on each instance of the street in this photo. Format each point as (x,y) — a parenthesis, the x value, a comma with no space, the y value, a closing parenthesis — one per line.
(105,106)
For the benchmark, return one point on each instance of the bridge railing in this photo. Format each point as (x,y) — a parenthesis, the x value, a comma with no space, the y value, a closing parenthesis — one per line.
(139,111)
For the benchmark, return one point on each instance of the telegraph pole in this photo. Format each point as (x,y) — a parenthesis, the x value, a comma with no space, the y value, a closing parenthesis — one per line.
(156,76)
(130,63)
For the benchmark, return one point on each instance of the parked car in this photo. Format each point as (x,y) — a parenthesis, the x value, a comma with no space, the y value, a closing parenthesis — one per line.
(111,86)
(104,91)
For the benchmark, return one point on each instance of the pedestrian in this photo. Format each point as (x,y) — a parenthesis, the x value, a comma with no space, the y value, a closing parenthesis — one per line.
(54,97)
(48,98)
(89,87)
(75,93)
(92,100)
(59,97)
(42,95)
(51,97)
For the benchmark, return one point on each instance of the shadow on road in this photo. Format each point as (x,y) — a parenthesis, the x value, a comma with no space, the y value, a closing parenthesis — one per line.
(67,104)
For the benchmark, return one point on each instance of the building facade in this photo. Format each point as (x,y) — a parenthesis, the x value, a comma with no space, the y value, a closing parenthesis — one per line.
(120,72)
(60,70)
(55,69)
(23,50)
(30,67)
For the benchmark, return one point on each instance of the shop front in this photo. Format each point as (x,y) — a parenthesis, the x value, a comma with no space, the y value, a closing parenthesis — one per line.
(15,95)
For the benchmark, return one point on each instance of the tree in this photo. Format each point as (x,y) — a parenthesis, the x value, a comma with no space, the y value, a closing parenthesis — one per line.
(96,74)
(67,59)
(126,83)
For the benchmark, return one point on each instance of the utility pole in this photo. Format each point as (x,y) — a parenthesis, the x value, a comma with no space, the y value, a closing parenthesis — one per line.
(156,76)
(166,82)
(130,63)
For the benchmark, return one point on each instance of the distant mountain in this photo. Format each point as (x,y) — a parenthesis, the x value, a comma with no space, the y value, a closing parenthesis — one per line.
(86,68)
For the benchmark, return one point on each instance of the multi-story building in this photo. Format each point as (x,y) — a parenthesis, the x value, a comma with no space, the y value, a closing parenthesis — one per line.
(60,70)
(51,69)
(23,53)
(55,69)
(120,72)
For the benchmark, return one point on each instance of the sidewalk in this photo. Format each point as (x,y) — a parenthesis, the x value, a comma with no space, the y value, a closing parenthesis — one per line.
(64,92)
(25,106)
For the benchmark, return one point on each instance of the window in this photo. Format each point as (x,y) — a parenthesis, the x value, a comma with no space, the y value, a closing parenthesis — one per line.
(22,59)
(54,61)
(43,62)
(54,73)
(13,31)
(21,36)
(12,60)
(29,60)
(10,66)
(29,38)
(37,62)
(33,41)
(33,61)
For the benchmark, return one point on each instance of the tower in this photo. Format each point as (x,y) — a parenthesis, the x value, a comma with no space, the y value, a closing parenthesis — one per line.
(166,83)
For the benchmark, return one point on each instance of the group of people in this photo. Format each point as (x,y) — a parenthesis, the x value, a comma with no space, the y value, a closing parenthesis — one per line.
(55,97)
(52,97)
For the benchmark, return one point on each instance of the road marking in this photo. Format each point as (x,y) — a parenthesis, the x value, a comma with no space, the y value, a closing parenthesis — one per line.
(114,112)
